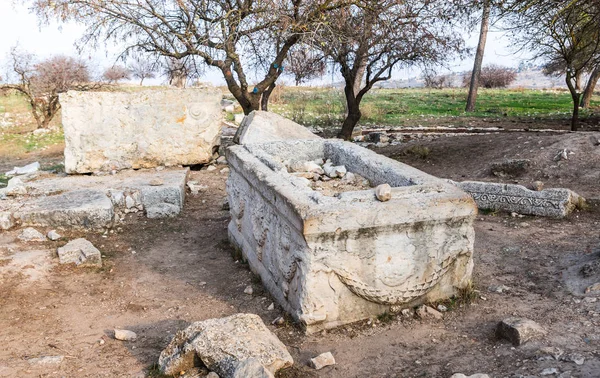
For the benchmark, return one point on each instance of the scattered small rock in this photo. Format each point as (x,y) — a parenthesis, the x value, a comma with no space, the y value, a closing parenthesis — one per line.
(498,289)
(31,234)
(53,235)
(562,155)
(81,252)
(129,202)
(212,374)
(211,168)
(6,221)
(477,375)
(334,171)
(306,166)
(46,360)
(15,187)
(549,371)
(221,160)
(278,321)
(593,288)
(125,335)
(538,186)
(589,269)
(322,360)
(248,290)
(383,192)
(549,353)
(442,308)
(577,358)
(156,182)
(195,188)
(424,311)
(407,313)
(225,170)
(518,330)
(271,307)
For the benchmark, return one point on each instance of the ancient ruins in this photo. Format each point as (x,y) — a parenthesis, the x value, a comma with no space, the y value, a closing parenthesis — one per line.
(334,260)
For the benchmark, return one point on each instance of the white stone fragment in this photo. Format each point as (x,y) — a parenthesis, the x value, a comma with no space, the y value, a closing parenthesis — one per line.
(383,192)
(334,171)
(53,235)
(81,252)
(29,168)
(322,360)
(125,335)
(15,187)
(6,220)
(221,344)
(478,375)
(248,290)
(306,166)
(31,234)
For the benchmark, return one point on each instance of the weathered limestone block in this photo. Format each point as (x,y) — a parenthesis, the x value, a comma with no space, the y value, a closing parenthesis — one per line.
(107,131)
(518,330)
(334,260)
(80,252)
(261,127)
(96,201)
(85,208)
(517,198)
(222,344)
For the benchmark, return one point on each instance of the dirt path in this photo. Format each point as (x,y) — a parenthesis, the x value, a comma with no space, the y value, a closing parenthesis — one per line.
(183,271)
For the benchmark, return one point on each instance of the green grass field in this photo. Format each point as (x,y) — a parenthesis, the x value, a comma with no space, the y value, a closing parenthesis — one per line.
(397,107)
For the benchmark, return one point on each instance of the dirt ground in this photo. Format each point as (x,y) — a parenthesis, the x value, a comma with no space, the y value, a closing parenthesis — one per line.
(160,275)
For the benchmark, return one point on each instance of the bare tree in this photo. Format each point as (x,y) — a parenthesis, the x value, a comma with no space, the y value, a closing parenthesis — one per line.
(369,39)
(564,31)
(492,76)
(116,73)
(42,82)
(222,33)
(475,74)
(143,69)
(590,87)
(305,63)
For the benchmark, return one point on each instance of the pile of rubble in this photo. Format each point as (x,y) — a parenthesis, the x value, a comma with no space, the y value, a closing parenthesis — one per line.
(329,179)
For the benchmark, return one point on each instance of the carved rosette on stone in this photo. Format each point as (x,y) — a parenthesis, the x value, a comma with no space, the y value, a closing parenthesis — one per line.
(334,260)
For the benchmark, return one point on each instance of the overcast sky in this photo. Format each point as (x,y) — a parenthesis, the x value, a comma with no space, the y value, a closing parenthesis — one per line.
(18,26)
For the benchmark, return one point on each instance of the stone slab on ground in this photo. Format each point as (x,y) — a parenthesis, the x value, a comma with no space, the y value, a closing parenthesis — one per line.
(107,131)
(221,344)
(556,202)
(518,330)
(95,201)
(261,127)
(80,252)
(332,260)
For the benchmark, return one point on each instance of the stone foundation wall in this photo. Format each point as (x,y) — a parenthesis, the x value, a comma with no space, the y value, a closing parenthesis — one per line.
(107,131)
(334,260)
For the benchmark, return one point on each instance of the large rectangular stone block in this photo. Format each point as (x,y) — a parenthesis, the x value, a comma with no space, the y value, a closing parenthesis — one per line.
(107,131)
(331,260)
(555,202)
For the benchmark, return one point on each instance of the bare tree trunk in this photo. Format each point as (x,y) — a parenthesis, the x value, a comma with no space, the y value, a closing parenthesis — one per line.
(264,100)
(360,72)
(575,95)
(589,88)
(485,20)
(353,113)
(578,81)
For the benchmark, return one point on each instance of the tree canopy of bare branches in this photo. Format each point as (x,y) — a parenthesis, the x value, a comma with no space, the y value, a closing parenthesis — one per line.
(305,63)
(564,32)
(230,36)
(42,82)
(143,68)
(116,73)
(369,39)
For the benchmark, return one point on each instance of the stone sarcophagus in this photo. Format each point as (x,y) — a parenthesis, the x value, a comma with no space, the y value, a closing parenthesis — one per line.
(335,259)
